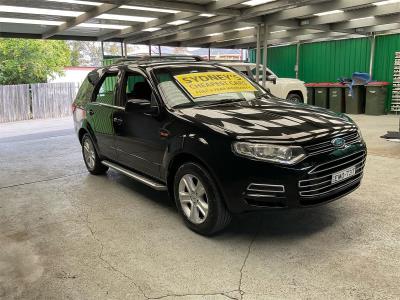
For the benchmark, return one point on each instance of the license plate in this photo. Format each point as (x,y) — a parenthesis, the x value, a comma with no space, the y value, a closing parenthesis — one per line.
(344,174)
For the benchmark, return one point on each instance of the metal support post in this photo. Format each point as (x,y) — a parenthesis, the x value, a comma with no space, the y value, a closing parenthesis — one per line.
(258,50)
(265,53)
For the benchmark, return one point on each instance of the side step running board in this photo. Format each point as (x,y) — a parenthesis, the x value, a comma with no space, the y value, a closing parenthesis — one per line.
(141,178)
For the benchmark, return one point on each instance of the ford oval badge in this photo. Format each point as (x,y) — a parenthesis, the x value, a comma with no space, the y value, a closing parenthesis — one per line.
(338,143)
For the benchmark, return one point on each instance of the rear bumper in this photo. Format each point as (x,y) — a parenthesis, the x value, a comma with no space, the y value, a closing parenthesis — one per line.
(265,186)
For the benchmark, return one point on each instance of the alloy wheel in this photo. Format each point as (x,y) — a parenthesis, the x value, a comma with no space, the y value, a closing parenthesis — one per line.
(193,198)
(88,153)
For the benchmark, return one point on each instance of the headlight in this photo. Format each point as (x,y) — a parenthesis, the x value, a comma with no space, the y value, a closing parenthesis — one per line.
(287,155)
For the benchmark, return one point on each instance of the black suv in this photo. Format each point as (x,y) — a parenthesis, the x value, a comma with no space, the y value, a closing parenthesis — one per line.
(218,142)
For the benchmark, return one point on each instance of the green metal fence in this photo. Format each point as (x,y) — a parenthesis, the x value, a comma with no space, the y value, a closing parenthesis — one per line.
(329,60)
(281,60)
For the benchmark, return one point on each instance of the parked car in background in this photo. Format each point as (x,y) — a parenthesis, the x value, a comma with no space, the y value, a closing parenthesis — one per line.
(290,89)
(218,142)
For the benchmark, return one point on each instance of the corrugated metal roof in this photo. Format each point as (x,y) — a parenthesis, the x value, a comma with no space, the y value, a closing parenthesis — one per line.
(138,21)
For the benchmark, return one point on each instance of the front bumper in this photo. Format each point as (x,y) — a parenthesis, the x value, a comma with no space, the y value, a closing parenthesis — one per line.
(258,185)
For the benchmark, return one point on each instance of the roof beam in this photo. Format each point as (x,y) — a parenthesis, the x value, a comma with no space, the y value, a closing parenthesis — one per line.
(367,22)
(308,10)
(222,4)
(276,6)
(205,41)
(216,7)
(189,35)
(94,12)
(154,23)
(196,41)
(381,28)
(245,34)
(269,7)
(140,37)
(289,36)
(181,6)
(353,14)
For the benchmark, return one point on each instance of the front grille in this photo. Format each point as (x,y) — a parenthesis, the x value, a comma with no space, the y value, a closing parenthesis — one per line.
(319,180)
(268,195)
(326,146)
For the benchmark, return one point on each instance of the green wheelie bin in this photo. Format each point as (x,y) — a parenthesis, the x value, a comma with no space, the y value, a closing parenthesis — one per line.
(355,100)
(321,94)
(336,97)
(310,93)
(376,93)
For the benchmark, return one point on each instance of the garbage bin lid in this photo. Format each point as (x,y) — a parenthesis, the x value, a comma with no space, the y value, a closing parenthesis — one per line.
(322,84)
(310,84)
(337,84)
(378,83)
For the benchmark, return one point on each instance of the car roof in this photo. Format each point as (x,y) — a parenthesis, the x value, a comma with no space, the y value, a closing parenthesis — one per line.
(159,62)
(149,62)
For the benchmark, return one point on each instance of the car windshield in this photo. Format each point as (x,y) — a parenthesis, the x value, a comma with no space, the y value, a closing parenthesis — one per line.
(203,85)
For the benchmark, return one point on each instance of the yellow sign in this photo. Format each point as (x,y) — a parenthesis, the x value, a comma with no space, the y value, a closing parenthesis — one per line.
(210,83)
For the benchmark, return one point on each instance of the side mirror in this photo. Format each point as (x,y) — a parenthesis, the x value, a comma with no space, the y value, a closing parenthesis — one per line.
(140,106)
(272,78)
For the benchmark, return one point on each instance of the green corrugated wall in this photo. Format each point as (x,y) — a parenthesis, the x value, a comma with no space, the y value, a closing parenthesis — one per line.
(281,60)
(385,47)
(327,61)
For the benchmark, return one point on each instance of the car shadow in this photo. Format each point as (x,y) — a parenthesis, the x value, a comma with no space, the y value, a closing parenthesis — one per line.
(277,224)
(281,224)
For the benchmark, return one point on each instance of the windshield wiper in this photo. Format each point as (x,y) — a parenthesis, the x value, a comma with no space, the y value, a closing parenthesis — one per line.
(184,105)
(265,95)
(222,101)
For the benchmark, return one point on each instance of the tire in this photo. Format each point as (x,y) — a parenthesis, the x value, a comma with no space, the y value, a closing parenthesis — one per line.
(204,213)
(293,97)
(90,156)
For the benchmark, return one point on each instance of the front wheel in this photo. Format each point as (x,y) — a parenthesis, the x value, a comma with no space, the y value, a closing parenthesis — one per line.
(199,201)
(293,97)
(90,156)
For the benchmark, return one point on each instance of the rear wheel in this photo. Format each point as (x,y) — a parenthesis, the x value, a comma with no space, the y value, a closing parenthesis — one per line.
(293,97)
(90,156)
(199,201)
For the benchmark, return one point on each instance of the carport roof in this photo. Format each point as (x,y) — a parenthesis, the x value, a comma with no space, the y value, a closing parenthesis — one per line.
(201,23)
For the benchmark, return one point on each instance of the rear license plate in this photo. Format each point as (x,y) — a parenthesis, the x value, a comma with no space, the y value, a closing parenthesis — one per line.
(344,174)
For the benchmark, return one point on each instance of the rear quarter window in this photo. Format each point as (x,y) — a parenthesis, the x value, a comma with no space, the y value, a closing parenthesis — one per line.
(85,93)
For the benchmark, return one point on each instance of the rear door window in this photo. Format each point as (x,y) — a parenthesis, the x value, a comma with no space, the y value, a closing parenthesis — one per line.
(85,93)
(106,93)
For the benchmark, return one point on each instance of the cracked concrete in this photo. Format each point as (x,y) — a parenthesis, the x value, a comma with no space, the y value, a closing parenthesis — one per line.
(65,234)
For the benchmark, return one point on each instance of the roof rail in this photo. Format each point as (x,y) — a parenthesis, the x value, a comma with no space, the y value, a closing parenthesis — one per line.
(158,58)
(229,61)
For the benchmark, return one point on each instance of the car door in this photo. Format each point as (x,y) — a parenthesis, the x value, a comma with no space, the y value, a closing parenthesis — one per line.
(100,113)
(138,139)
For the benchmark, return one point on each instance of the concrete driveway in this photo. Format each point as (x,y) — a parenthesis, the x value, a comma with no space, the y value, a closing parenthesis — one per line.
(65,234)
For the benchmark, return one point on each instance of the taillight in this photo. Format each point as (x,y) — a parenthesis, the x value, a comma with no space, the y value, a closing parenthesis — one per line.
(73,106)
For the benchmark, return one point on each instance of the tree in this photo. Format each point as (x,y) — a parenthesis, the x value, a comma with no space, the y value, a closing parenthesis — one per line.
(85,53)
(32,61)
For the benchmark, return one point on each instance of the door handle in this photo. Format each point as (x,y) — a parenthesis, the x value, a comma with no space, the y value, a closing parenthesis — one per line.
(118,121)
(91,112)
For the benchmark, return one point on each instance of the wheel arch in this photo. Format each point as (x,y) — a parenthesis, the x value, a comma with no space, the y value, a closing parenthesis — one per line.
(81,133)
(86,128)
(296,92)
(180,159)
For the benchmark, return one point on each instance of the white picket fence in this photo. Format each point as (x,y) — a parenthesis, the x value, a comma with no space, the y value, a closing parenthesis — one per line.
(36,101)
